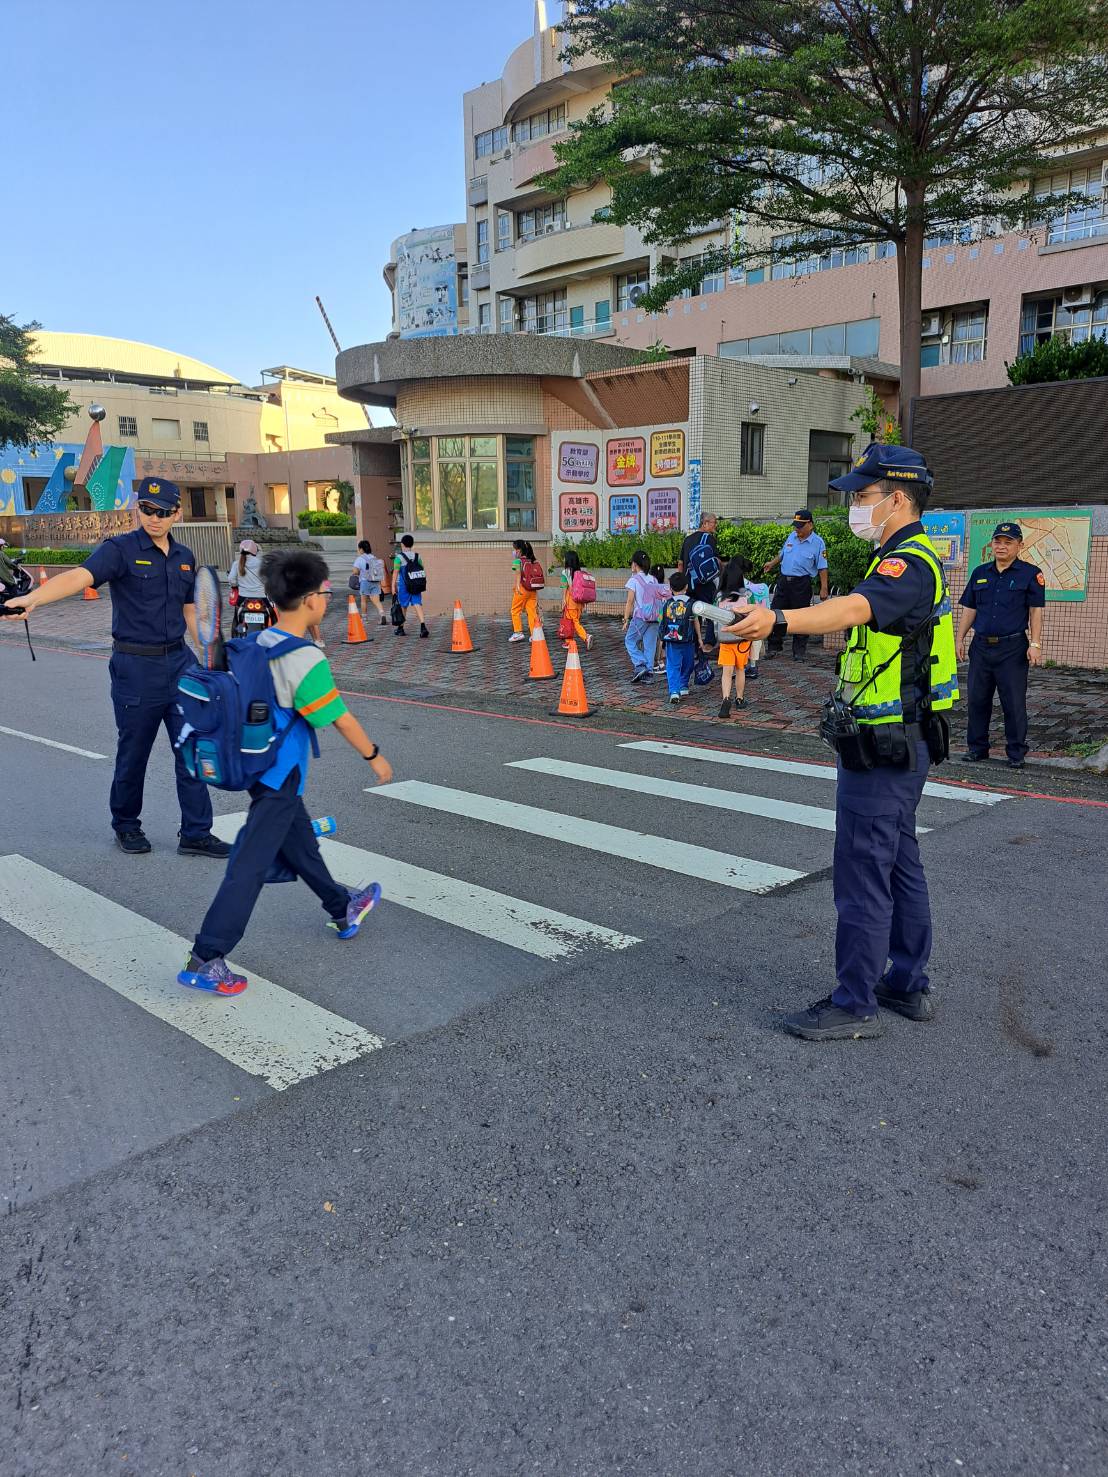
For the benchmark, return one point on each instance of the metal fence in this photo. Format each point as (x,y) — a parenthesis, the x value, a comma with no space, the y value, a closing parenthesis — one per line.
(211,542)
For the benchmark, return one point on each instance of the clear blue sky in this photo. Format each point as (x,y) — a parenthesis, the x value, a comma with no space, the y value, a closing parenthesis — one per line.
(191,173)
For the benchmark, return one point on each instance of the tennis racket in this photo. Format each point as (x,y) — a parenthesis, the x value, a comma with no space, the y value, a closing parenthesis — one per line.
(209,617)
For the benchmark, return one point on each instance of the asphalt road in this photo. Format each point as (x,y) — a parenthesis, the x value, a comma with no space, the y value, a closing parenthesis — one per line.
(587,1210)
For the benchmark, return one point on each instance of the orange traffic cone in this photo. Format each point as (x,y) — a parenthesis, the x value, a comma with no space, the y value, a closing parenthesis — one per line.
(90,593)
(541,666)
(355,627)
(460,639)
(573,703)
(42,574)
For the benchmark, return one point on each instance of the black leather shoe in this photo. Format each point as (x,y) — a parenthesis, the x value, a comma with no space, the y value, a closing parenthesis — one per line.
(969,757)
(203,846)
(134,843)
(826,1021)
(917,1007)
(1015,764)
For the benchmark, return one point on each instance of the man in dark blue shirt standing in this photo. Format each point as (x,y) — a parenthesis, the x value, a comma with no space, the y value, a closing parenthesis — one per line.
(1001,599)
(151,577)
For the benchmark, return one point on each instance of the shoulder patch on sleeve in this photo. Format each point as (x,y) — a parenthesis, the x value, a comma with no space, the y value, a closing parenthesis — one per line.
(894,568)
(1039,578)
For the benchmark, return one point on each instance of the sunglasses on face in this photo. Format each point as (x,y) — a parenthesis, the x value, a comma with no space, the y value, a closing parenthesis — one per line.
(148,510)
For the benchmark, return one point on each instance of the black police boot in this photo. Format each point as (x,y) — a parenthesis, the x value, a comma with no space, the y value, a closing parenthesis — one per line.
(134,843)
(919,1006)
(969,757)
(202,846)
(826,1021)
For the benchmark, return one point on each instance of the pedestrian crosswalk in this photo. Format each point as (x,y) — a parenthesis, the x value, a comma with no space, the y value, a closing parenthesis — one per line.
(687,834)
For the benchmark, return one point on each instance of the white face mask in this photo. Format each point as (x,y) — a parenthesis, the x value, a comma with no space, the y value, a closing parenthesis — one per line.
(862,524)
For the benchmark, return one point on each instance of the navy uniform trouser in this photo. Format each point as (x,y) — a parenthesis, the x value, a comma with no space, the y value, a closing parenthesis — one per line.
(884,927)
(1001,668)
(791,592)
(144,696)
(277,838)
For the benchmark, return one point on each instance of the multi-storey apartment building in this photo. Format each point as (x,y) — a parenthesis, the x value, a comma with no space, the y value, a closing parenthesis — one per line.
(540,263)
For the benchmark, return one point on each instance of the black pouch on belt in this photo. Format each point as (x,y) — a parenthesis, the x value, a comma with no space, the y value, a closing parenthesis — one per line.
(936,734)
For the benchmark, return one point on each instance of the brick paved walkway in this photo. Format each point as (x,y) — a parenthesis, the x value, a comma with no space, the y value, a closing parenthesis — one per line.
(1066,705)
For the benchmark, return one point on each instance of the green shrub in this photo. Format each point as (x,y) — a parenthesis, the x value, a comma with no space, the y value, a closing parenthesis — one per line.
(336,524)
(1058,359)
(50,556)
(614,550)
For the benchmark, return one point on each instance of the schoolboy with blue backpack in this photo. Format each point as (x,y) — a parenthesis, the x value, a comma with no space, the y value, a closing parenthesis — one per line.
(679,633)
(252,727)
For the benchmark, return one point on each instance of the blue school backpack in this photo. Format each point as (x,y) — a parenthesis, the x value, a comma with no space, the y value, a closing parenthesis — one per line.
(232,726)
(703,563)
(676,625)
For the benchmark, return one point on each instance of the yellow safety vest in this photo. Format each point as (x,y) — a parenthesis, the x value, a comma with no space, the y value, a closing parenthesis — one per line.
(880,698)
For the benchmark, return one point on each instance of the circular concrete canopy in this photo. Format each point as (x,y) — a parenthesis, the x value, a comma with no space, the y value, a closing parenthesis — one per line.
(372,373)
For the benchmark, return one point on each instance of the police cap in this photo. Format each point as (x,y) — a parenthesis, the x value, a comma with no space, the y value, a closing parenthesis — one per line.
(156,490)
(897,463)
(1008,530)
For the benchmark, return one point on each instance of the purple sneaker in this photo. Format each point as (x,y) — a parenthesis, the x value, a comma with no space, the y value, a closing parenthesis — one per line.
(361,902)
(217,977)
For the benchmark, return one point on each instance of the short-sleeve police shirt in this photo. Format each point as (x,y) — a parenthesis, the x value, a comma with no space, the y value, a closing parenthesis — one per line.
(1003,600)
(149,589)
(901,590)
(803,556)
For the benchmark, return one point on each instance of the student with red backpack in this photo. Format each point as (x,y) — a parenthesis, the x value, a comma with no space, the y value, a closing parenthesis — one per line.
(578,588)
(529,580)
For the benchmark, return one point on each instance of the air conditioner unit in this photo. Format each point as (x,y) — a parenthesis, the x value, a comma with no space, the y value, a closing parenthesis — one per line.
(636,294)
(1077,297)
(931,325)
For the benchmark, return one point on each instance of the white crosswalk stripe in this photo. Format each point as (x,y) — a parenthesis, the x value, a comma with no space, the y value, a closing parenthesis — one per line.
(808,771)
(665,789)
(268,1031)
(656,851)
(542,931)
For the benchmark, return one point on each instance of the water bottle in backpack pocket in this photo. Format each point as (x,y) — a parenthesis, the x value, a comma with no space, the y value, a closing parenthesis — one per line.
(232,724)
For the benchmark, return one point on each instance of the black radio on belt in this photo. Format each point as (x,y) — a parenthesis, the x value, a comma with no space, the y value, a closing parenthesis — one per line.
(839,729)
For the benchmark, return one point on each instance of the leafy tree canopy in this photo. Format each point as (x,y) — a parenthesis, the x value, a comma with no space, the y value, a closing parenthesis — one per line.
(30,412)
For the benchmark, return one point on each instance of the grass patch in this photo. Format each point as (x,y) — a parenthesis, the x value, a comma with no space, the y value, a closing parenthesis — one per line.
(1084,751)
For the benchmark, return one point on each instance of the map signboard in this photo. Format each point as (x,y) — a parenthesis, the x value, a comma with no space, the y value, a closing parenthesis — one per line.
(667,453)
(624,512)
(578,512)
(1058,542)
(626,461)
(947,531)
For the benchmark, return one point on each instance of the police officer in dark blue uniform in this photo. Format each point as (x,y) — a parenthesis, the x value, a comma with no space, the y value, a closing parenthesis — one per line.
(1001,599)
(897,671)
(151,577)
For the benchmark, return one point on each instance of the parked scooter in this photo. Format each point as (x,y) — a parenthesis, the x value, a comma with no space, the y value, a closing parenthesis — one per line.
(252,613)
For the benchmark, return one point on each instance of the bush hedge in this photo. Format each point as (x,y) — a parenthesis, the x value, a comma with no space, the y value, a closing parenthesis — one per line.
(50,556)
(335,524)
(847,555)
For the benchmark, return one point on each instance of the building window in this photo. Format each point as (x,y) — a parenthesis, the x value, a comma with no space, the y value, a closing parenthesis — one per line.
(463,286)
(751,446)
(626,294)
(951,236)
(713,281)
(200,430)
(519,482)
(482,241)
(484,316)
(541,220)
(165,430)
(544,312)
(967,337)
(492,141)
(503,230)
(603,312)
(1043,318)
(1085,220)
(506,311)
(859,339)
(838,253)
(128,426)
(538,125)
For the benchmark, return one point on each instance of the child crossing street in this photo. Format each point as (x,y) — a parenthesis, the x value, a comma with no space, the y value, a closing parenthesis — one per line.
(680,637)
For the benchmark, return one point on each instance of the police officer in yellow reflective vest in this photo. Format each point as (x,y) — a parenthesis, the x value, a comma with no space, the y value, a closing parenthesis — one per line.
(897,676)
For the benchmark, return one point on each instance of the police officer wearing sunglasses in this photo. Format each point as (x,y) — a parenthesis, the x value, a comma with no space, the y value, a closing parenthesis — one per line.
(151,577)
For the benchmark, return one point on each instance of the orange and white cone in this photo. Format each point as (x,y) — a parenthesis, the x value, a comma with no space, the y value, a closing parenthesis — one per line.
(90,593)
(460,639)
(42,574)
(355,627)
(542,669)
(573,703)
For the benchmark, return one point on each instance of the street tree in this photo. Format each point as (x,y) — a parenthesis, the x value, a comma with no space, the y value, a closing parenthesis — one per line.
(833,124)
(30,412)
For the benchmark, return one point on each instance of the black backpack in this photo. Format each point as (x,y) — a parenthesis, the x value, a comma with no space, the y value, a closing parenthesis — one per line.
(415,576)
